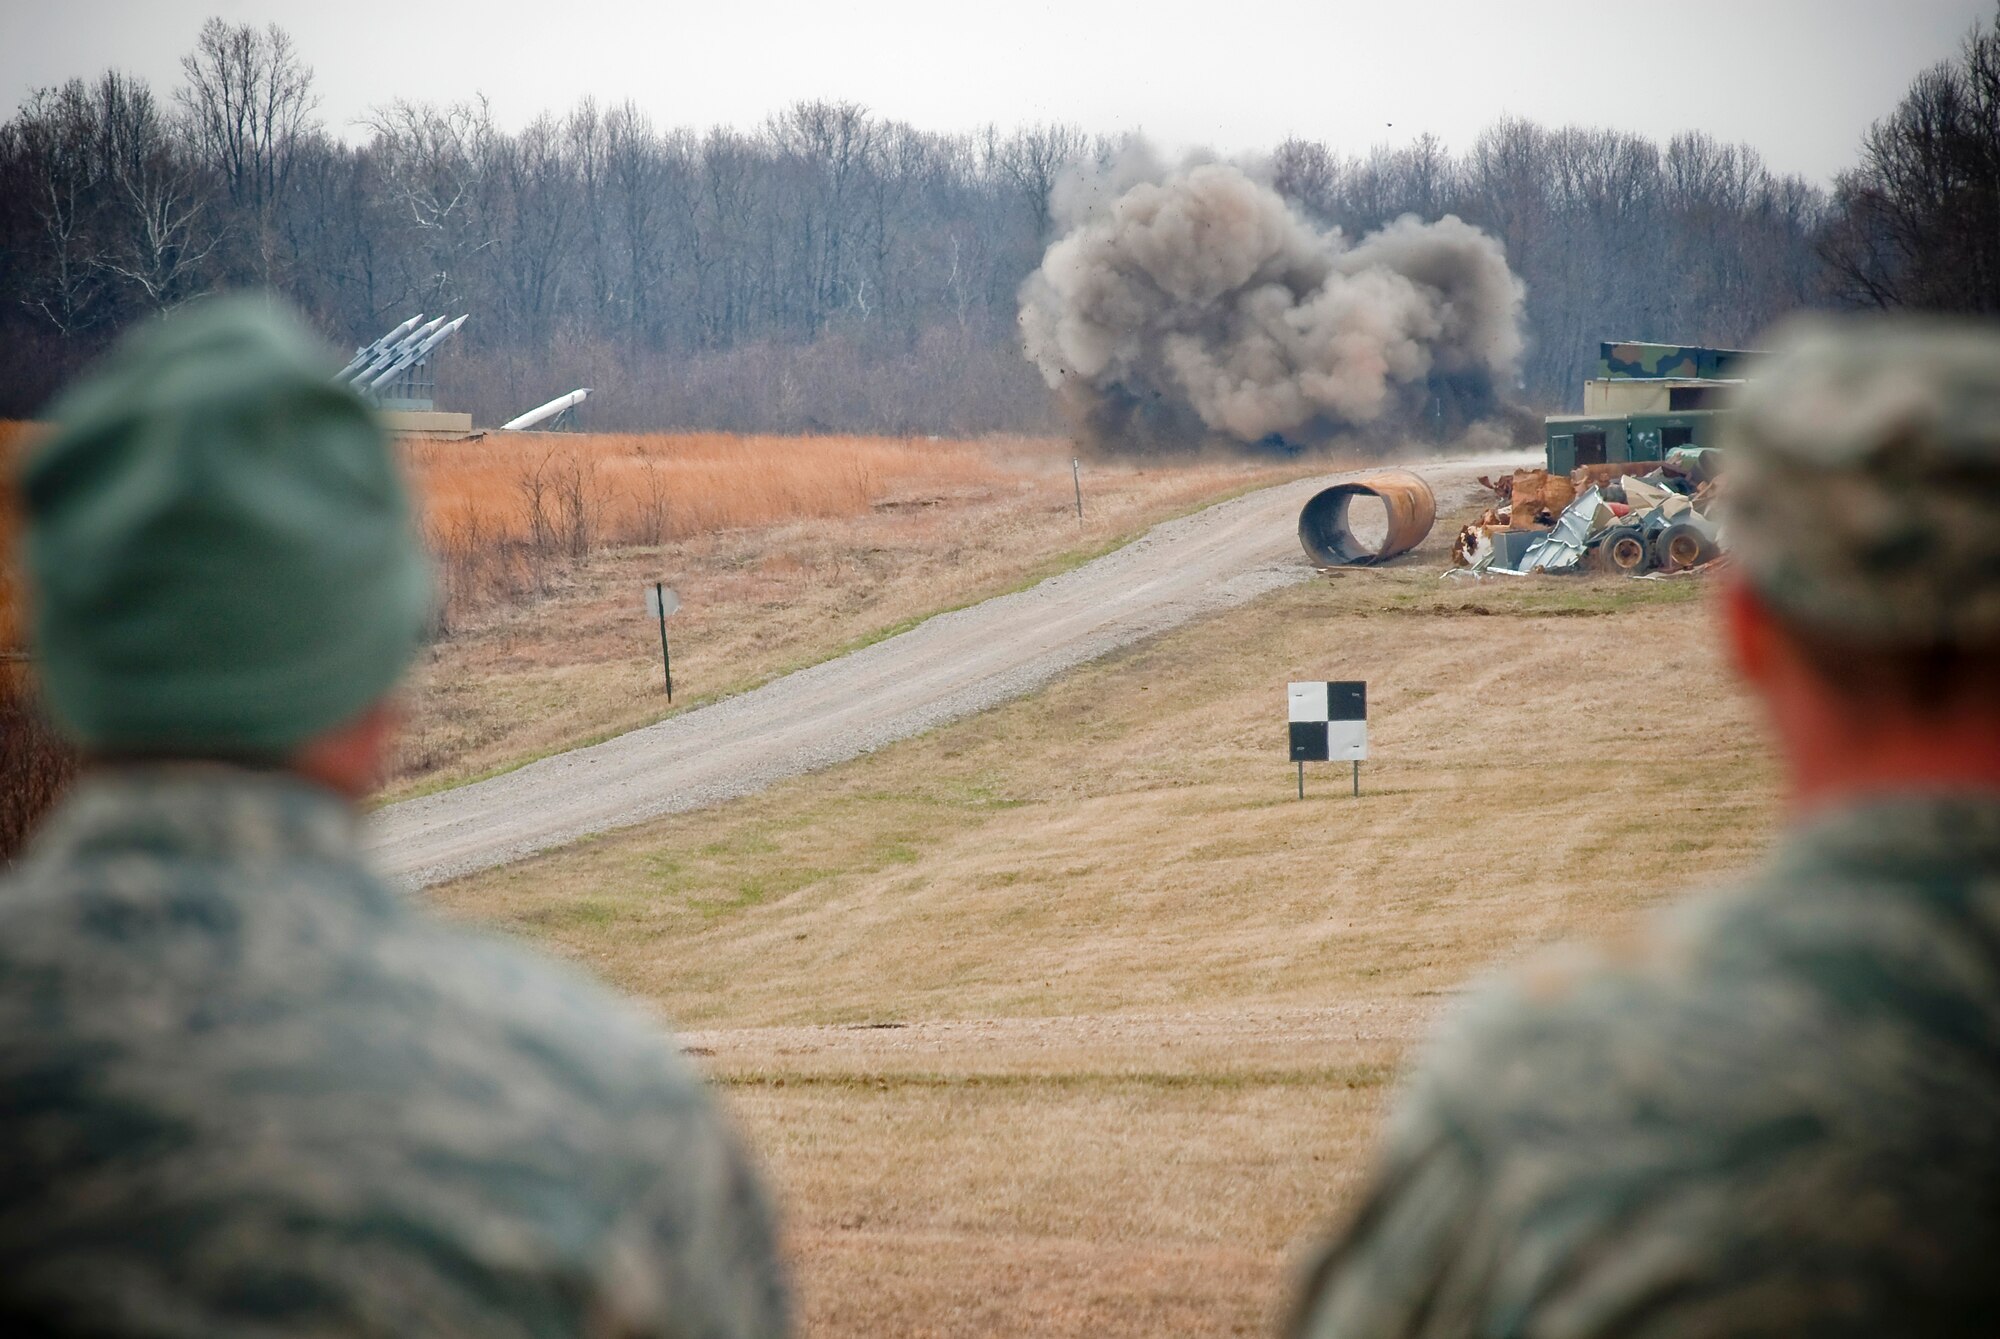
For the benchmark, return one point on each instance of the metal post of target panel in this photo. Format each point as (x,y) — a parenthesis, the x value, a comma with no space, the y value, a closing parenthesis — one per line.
(666,656)
(664,602)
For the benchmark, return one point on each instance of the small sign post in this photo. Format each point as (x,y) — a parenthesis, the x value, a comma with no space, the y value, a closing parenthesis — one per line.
(1076,477)
(1328,723)
(662,600)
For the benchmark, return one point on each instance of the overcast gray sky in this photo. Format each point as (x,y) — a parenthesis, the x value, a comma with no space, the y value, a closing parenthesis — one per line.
(1799,79)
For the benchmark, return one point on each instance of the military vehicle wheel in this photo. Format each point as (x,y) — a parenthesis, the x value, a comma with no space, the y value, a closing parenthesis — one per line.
(1681,546)
(1623,549)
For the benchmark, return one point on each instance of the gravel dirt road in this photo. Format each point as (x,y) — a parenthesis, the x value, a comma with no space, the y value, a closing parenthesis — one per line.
(945,668)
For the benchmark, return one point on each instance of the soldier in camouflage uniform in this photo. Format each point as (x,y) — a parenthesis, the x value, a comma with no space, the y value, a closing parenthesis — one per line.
(246,1088)
(1779,1111)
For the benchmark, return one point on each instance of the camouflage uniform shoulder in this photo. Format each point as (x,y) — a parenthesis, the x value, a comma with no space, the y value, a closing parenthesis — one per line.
(1674,1137)
(246,1089)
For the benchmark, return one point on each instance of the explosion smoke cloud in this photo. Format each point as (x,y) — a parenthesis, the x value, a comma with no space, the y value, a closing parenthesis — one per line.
(1182,304)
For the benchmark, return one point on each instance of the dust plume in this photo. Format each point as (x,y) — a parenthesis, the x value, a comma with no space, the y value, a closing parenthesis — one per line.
(1181,305)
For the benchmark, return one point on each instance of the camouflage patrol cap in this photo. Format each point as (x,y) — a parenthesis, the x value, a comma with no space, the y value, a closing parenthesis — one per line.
(1865,479)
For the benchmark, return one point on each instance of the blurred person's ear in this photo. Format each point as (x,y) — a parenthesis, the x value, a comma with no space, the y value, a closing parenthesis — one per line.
(352,757)
(1854,719)
(1756,643)
(1804,715)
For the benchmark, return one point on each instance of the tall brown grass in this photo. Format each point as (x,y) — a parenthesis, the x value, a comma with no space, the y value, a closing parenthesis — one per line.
(15,437)
(505,512)
(649,488)
(35,763)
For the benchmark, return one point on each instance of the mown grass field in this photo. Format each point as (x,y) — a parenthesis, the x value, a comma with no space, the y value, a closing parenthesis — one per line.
(1071,1019)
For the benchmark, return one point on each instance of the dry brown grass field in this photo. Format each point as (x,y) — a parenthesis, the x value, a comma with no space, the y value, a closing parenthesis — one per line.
(785,550)
(649,487)
(1070,1019)
(34,764)
(14,436)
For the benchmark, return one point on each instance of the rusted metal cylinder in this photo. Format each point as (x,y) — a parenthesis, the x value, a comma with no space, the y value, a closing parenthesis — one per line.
(1329,542)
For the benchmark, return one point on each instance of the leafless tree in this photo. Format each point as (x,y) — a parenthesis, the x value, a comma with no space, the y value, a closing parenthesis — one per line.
(536,191)
(249,100)
(52,147)
(1304,172)
(824,147)
(1032,160)
(435,164)
(162,242)
(1917,224)
(248,103)
(117,204)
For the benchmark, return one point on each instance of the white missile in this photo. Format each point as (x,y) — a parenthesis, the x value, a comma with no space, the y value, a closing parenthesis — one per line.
(405,344)
(399,348)
(540,413)
(381,359)
(414,349)
(429,342)
(368,353)
(395,354)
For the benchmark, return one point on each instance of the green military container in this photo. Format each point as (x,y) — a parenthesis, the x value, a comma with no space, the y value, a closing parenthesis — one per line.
(1651,436)
(1694,362)
(1584,439)
(1646,400)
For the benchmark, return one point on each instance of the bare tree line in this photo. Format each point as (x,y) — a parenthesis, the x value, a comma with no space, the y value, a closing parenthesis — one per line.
(1917,223)
(1617,236)
(837,270)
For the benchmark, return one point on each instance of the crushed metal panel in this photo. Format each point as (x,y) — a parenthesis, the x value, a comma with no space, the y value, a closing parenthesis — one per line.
(1510,550)
(1643,496)
(1510,547)
(1562,548)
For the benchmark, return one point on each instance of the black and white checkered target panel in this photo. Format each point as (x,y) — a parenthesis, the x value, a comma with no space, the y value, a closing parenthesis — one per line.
(1329,721)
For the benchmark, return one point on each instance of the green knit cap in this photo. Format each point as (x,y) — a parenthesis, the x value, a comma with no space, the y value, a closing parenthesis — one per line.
(220,544)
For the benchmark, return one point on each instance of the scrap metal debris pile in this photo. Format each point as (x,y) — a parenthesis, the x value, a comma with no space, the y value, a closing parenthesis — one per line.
(1636,518)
